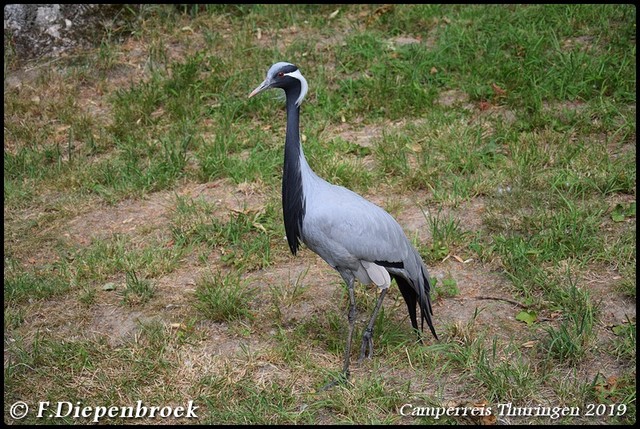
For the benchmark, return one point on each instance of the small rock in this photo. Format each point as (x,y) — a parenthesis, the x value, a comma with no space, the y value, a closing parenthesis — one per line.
(47,15)
(54,31)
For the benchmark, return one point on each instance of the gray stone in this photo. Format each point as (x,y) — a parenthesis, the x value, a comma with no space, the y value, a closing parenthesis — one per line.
(37,30)
(45,16)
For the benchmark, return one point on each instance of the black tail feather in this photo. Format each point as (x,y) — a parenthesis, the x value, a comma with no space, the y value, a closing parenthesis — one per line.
(412,297)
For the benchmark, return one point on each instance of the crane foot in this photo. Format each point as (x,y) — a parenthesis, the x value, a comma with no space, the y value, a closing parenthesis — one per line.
(366,350)
(342,379)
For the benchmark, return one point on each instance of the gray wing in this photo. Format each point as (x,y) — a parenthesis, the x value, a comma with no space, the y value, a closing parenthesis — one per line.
(342,227)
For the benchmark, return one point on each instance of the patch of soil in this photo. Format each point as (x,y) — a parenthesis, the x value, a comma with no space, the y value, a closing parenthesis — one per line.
(362,135)
(316,281)
(127,217)
(244,197)
(115,323)
(139,216)
(474,282)
(403,41)
(488,110)
(454,97)
(584,43)
(614,310)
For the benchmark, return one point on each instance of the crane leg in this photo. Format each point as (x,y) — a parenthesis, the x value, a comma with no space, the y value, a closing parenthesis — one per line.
(351,315)
(352,322)
(367,338)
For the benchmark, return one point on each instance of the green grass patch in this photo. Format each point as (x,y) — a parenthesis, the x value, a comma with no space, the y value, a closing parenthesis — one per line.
(107,257)
(223,297)
(22,286)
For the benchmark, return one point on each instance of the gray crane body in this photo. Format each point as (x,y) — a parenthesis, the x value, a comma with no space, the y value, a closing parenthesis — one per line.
(351,234)
(358,238)
(354,236)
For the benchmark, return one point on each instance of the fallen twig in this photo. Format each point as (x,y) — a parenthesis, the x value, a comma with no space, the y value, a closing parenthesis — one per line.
(495,298)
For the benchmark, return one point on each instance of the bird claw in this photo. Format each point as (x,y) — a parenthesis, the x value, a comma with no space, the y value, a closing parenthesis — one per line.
(366,350)
(342,379)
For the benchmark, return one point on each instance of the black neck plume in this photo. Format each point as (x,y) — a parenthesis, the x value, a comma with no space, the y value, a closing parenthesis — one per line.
(293,204)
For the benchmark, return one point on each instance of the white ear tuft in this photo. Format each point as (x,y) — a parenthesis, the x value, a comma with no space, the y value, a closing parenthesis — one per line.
(303,85)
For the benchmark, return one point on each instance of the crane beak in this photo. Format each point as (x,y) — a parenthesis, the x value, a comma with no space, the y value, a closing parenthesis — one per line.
(264,85)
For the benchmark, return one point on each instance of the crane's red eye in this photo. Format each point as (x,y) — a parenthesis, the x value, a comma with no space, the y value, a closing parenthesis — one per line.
(280,74)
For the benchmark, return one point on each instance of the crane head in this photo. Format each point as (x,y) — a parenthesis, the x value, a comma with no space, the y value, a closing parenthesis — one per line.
(286,76)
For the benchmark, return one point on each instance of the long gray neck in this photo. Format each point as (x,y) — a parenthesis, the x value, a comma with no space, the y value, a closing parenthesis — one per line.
(293,201)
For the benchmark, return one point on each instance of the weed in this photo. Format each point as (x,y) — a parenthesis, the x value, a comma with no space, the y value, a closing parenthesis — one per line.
(223,297)
(447,289)
(446,235)
(570,342)
(625,343)
(137,291)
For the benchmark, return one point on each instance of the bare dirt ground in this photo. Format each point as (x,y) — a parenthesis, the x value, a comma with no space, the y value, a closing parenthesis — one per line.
(150,216)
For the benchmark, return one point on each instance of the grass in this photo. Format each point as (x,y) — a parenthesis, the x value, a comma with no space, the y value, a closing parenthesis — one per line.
(243,239)
(446,235)
(22,285)
(144,248)
(222,297)
(137,291)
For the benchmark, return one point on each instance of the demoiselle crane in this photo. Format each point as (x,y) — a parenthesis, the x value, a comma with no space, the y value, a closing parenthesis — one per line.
(354,236)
